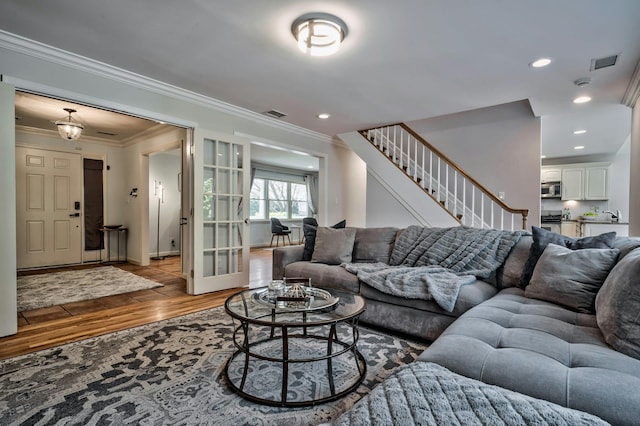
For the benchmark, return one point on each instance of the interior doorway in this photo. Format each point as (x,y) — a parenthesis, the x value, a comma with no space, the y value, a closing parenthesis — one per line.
(165,209)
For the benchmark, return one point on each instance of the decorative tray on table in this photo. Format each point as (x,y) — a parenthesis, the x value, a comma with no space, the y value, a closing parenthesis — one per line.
(314,298)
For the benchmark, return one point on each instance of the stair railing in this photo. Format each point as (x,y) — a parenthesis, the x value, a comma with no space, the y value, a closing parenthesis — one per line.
(468,201)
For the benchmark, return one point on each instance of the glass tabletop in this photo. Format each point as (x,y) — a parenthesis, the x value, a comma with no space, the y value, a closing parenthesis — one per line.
(256,306)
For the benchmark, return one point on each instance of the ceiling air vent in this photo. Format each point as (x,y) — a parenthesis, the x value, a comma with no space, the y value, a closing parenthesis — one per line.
(275,114)
(608,61)
(106,133)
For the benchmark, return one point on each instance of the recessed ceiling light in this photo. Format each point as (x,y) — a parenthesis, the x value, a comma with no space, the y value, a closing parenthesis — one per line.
(309,167)
(323,116)
(579,132)
(579,147)
(539,63)
(581,99)
(543,156)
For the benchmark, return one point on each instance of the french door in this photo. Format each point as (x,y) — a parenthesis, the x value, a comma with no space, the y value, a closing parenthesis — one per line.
(221,165)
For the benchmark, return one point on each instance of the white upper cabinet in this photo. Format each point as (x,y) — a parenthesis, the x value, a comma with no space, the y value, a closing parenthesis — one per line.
(596,183)
(585,182)
(573,184)
(550,174)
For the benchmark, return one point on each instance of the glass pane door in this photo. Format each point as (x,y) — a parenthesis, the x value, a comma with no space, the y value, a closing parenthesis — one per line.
(221,181)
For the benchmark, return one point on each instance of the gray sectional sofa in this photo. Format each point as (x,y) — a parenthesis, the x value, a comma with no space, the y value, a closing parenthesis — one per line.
(499,334)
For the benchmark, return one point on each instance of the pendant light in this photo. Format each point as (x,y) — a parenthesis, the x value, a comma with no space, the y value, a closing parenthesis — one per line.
(69,129)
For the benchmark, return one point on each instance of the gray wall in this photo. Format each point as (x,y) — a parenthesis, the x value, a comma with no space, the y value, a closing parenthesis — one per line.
(634,194)
(499,146)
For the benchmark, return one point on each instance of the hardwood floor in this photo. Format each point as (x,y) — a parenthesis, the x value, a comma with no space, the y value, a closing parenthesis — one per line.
(48,327)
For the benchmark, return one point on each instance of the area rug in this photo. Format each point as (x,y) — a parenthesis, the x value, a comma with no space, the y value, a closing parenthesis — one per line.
(58,288)
(165,373)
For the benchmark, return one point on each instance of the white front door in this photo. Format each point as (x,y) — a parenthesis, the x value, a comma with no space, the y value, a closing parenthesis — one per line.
(48,214)
(221,165)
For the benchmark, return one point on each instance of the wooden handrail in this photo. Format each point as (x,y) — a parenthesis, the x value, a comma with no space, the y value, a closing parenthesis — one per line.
(452,164)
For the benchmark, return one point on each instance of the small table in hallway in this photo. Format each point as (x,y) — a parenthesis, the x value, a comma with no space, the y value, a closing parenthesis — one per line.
(107,234)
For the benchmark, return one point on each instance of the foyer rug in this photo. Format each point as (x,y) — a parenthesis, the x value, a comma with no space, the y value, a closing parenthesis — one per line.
(58,288)
(166,373)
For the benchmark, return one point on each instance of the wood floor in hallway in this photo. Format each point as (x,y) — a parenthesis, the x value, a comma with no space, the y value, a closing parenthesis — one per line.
(47,327)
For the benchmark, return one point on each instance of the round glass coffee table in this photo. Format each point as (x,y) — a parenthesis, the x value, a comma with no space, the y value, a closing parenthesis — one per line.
(294,354)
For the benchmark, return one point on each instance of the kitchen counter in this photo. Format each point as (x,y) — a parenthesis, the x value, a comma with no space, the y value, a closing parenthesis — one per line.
(600,222)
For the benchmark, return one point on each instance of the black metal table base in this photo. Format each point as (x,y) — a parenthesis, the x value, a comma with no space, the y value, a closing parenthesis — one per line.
(247,348)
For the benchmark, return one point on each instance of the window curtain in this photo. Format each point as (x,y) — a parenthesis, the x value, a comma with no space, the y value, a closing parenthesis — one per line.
(312,193)
(93,205)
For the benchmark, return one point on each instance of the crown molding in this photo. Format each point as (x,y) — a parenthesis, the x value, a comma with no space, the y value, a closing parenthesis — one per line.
(25,46)
(632,93)
(54,134)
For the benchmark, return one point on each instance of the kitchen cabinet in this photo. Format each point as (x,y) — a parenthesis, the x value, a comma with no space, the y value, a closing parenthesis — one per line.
(596,183)
(570,229)
(592,229)
(585,183)
(573,184)
(550,174)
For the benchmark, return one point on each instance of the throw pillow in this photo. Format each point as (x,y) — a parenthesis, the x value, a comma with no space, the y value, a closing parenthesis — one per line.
(618,306)
(309,232)
(542,237)
(373,244)
(571,278)
(333,246)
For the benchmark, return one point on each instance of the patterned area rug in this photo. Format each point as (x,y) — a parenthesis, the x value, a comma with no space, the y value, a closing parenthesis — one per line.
(165,373)
(58,288)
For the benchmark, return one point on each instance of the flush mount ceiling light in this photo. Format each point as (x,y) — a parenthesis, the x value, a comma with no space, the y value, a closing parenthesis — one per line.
(581,99)
(579,132)
(578,147)
(323,116)
(69,129)
(539,63)
(319,34)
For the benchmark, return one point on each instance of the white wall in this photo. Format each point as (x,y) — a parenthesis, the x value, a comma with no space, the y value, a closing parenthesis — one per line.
(58,74)
(499,146)
(164,168)
(383,209)
(8,302)
(620,180)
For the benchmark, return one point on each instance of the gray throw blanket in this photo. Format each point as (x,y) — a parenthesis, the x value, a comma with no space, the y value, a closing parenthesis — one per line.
(423,393)
(433,263)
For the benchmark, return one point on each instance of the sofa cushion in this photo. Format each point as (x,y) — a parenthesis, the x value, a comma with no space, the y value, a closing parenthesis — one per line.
(542,350)
(470,295)
(333,246)
(618,306)
(626,245)
(571,278)
(424,393)
(325,276)
(542,237)
(508,275)
(373,244)
(309,232)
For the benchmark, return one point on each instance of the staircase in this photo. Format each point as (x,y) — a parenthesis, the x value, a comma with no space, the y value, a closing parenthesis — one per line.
(465,199)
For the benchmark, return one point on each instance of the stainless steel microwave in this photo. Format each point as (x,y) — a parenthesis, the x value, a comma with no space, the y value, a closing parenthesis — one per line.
(550,190)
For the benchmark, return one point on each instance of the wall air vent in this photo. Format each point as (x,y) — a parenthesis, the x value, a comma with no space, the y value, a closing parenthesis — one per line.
(605,62)
(106,133)
(275,114)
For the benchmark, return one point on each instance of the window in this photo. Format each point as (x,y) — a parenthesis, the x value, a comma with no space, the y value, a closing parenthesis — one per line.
(279,199)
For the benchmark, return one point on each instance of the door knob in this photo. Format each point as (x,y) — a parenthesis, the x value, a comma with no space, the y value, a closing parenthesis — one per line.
(74,215)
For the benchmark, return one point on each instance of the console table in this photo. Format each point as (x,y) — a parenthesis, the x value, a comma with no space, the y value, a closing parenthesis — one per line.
(118,232)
